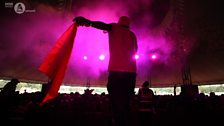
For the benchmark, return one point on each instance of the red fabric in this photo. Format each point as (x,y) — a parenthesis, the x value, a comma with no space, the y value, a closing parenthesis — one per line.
(55,64)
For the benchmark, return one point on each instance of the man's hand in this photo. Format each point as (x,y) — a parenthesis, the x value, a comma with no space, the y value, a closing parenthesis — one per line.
(81,21)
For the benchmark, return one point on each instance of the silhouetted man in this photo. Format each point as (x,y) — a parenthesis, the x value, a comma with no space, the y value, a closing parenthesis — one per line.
(146,104)
(122,65)
(10,88)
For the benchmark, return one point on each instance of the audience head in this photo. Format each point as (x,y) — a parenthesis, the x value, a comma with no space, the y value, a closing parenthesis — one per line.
(145,84)
(15,81)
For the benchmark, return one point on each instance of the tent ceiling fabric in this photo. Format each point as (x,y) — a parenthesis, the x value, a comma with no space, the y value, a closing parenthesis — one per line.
(27,38)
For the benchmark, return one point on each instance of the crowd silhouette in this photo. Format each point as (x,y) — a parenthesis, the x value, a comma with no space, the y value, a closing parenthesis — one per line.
(90,109)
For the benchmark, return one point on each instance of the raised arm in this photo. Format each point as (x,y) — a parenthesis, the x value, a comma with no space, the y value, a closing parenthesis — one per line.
(81,21)
(101,25)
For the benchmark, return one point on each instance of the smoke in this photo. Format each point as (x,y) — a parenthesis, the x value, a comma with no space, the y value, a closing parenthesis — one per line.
(28,37)
(93,42)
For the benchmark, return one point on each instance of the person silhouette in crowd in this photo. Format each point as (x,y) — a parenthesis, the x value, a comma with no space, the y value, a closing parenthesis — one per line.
(145,93)
(10,88)
(146,104)
(122,65)
(174,90)
(8,100)
(145,96)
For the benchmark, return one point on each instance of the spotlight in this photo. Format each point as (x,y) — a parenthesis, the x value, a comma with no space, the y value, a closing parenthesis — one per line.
(154,56)
(101,57)
(85,57)
(136,56)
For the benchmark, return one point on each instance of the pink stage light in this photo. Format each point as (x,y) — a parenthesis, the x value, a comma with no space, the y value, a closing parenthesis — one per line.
(85,57)
(102,57)
(153,56)
(136,56)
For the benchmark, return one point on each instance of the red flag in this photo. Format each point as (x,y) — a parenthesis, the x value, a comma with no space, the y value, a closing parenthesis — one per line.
(55,64)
